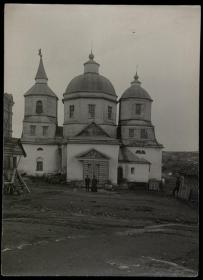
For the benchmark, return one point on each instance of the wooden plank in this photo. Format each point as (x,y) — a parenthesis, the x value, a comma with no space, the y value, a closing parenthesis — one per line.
(22,181)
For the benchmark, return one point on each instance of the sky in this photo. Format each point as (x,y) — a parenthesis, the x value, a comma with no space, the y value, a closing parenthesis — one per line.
(162,42)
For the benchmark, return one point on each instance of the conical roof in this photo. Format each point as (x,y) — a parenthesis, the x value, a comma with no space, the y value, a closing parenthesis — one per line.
(41,74)
(41,87)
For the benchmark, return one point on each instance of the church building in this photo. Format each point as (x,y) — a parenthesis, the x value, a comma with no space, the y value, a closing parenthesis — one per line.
(90,141)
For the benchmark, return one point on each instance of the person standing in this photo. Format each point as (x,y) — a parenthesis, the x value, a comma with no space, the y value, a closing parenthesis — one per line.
(177,187)
(87,183)
(94,184)
(162,184)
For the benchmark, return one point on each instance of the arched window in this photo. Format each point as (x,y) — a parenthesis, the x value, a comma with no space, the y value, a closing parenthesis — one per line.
(39,107)
(39,149)
(39,164)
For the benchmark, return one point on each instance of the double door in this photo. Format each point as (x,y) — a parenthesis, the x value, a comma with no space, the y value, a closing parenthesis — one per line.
(97,168)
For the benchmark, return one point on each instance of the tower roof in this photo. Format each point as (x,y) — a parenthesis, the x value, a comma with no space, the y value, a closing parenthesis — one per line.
(135,90)
(90,80)
(41,74)
(41,87)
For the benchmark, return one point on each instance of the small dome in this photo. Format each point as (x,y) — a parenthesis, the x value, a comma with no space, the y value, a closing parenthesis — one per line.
(90,82)
(135,90)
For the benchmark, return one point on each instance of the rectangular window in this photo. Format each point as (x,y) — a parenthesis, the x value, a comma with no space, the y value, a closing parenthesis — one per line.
(138,109)
(143,134)
(39,166)
(71,111)
(132,170)
(45,130)
(109,113)
(131,132)
(32,129)
(91,111)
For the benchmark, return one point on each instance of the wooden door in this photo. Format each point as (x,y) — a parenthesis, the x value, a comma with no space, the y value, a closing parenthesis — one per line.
(98,168)
(88,167)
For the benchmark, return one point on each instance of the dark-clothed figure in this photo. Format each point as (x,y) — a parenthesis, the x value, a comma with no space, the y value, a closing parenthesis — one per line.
(94,184)
(177,187)
(162,184)
(87,183)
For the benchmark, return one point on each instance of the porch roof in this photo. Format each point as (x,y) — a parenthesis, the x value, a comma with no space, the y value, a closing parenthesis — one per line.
(125,155)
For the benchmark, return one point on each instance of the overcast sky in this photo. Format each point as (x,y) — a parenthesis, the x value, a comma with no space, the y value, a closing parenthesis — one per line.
(166,47)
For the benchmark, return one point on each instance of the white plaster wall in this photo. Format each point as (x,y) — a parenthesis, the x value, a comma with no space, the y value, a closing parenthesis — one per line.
(137,132)
(75,167)
(141,173)
(50,159)
(39,130)
(153,155)
(127,109)
(49,105)
(81,115)
(72,129)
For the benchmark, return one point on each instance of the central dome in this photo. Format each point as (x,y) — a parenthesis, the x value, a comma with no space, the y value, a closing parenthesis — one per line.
(91,80)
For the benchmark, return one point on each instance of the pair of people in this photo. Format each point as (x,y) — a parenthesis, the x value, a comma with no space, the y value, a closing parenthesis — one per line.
(93,184)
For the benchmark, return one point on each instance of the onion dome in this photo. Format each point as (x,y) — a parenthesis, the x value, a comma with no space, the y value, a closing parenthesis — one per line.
(40,87)
(135,90)
(91,80)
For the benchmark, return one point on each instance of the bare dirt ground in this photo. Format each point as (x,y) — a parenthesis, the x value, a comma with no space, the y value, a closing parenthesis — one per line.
(56,230)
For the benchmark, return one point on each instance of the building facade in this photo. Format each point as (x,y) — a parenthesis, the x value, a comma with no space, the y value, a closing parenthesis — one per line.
(13,149)
(90,141)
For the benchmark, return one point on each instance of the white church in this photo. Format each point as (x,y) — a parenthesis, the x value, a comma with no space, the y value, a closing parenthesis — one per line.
(90,141)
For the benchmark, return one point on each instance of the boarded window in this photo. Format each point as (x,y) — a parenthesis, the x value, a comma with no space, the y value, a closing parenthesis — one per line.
(71,111)
(91,111)
(131,132)
(32,130)
(109,113)
(39,107)
(45,130)
(143,134)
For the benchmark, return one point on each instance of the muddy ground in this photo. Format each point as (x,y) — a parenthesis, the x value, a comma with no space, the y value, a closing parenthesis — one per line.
(56,230)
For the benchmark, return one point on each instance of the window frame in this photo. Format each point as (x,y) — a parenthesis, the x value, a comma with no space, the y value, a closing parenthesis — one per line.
(71,111)
(32,130)
(110,113)
(39,108)
(39,168)
(132,170)
(143,132)
(45,128)
(91,111)
(140,106)
(133,133)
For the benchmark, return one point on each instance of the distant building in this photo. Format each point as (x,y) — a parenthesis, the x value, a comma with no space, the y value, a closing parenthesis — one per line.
(90,141)
(13,149)
(8,105)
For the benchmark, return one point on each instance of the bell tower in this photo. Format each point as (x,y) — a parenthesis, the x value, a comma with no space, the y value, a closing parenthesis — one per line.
(40,115)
